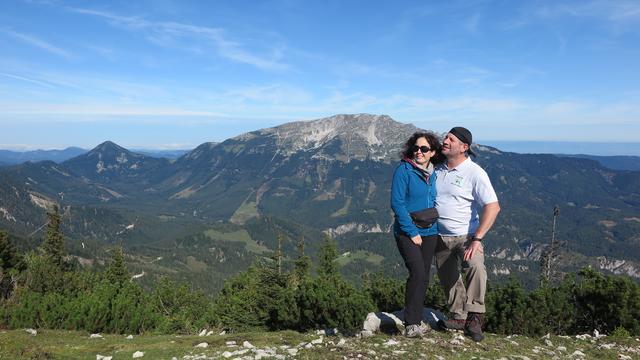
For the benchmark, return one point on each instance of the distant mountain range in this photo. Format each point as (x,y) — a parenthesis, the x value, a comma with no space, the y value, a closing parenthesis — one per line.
(9,157)
(568,147)
(613,162)
(209,213)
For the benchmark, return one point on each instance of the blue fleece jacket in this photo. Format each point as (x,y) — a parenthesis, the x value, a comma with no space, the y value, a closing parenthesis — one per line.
(411,191)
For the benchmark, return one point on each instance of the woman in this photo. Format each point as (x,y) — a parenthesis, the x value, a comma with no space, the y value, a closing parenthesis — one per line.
(412,190)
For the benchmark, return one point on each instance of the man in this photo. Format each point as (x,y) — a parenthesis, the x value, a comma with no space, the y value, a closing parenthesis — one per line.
(463,191)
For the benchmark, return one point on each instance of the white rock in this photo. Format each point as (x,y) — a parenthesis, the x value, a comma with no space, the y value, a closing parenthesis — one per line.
(230,343)
(366,333)
(578,353)
(138,354)
(203,332)
(548,342)
(209,333)
(292,351)
(227,354)
(223,332)
(103,357)
(624,357)
(561,348)
(606,346)
(514,343)
(308,346)
(583,336)
(596,333)
(548,336)
(248,345)
(31,331)
(129,337)
(95,336)
(341,342)
(459,337)
(259,354)
(456,342)
(391,342)
(317,341)
(398,352)
(202,345)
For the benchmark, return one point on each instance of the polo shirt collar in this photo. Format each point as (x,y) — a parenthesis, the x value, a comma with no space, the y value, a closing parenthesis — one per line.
(466,163)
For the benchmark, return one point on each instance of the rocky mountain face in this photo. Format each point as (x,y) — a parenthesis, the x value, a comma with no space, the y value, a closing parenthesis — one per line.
(340,137)
(109,163)
(329,176)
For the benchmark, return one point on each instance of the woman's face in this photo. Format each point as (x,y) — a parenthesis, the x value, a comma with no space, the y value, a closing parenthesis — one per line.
(419,156)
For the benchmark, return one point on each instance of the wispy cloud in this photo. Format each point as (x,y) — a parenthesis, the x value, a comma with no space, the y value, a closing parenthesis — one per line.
(39,43)
(617,12)
(167,33)
(107,53)
(26,79)
(472,24)
(95,109)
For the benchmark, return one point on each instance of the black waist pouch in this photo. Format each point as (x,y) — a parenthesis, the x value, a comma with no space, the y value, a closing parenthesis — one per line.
(424,218)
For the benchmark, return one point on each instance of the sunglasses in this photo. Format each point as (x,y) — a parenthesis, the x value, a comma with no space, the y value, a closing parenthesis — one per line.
(425,149)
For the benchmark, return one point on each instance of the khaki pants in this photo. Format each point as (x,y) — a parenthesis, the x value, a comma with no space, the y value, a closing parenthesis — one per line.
(461,299)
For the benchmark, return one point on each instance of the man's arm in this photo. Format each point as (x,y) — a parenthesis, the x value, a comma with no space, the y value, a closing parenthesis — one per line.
(487,218)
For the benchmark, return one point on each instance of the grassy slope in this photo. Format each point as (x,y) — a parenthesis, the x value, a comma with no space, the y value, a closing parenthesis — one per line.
(17,344)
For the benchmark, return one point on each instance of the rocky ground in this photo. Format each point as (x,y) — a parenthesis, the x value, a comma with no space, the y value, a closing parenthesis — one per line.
(50,344)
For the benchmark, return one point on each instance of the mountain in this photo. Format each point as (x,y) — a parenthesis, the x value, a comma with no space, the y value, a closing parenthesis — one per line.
(8,157)
(210,212)
(112,164)
(621,162)
(168,154)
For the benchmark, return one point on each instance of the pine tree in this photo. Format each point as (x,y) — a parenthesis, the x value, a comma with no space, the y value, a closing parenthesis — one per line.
(53,244)
(10,265)
(327,267)
(301,266)
(278,257)
(117,269)
(9,258)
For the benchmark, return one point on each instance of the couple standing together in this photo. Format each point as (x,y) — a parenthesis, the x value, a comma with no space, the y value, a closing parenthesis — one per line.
(443,176)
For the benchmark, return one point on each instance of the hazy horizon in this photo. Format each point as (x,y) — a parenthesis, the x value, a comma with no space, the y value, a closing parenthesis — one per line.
(523,147)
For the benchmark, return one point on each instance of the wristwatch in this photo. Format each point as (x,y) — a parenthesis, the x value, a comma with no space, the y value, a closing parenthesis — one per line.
(475,238)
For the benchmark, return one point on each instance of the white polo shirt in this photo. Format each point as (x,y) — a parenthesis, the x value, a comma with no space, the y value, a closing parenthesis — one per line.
(461,192)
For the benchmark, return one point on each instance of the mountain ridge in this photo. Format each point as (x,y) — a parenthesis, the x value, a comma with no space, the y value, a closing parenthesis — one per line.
(254,186)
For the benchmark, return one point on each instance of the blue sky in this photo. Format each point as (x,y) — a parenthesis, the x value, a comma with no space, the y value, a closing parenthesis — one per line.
(174,74)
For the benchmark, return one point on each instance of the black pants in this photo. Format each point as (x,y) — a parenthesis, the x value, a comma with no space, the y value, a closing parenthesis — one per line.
(418,261)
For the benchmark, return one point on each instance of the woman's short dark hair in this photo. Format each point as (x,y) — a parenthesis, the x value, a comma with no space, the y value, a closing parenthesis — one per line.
(434,144)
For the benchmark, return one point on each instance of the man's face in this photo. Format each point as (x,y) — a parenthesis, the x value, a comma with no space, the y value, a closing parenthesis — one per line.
(452,146)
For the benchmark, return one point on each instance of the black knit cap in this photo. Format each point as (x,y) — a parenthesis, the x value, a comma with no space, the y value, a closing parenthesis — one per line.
(464,135)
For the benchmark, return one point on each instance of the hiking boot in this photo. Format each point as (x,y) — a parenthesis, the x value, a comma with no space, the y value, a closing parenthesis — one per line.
(473,326)
(413,331)
(452,324)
